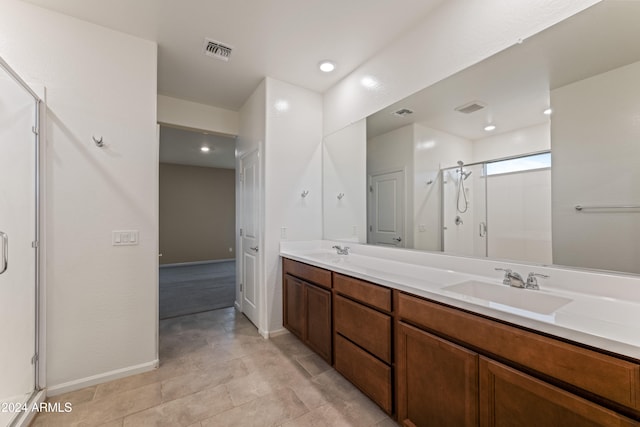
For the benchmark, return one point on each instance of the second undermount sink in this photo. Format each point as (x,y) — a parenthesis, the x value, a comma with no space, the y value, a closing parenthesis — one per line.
(501,297)
(324,256)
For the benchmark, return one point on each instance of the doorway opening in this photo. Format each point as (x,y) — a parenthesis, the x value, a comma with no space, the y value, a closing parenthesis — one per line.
(197,211)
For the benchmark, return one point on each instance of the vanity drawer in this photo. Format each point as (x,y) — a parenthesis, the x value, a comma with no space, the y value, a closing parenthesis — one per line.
(368,293)
(365,371)
(365,326)
(307,272)
(611,378)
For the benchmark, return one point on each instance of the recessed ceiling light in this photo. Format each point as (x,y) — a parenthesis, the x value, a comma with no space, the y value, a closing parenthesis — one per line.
(327,66)
(547,112)
(369,82)
(281,105)
(489,128)
(205,149)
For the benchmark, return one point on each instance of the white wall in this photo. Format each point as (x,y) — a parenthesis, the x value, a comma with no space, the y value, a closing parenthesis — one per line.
(595,136)
(344,170)
(527,140)
(178,112)
(434,150)
(454,36)
(101,310)
(293,163)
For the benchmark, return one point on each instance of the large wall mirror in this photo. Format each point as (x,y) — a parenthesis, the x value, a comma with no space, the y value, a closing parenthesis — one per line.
(531,155)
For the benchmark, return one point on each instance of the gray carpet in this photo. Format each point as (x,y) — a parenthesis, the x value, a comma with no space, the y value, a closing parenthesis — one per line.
(196,288)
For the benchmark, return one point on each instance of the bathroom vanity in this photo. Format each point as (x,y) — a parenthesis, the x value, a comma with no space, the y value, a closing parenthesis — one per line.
(431,346)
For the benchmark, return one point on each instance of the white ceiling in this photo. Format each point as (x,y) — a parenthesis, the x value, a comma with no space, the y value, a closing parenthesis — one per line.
(283,39)
(182,147)
(515,83)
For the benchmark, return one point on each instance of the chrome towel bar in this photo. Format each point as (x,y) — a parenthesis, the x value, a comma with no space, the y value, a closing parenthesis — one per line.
(581,207)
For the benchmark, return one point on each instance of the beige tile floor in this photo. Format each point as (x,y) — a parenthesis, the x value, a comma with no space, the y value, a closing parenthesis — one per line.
(215,370)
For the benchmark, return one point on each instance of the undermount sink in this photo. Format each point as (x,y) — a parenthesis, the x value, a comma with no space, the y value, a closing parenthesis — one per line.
(506,298)
(327,256)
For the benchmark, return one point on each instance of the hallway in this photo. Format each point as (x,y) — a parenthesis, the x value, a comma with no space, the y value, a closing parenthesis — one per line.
(190,289)
(217,371)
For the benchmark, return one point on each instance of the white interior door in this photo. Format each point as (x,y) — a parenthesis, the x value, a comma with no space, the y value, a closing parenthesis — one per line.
(18,261)
(387,209)
(250,240)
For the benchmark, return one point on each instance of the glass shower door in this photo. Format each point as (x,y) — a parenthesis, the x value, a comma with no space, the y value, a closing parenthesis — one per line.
(18,257)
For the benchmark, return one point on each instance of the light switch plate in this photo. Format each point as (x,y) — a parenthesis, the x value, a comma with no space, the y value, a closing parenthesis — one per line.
(125,237)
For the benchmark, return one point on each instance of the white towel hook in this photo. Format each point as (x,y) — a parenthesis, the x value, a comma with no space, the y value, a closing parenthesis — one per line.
(340,196)
(305,193)
(99,142)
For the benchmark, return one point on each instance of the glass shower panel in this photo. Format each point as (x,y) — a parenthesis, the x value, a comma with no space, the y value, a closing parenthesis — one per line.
(464,210)
(18,207)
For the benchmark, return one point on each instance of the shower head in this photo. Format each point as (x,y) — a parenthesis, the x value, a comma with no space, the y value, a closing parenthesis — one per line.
(460,163)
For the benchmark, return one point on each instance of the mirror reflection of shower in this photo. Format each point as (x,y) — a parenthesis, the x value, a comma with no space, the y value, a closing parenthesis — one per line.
(463,209)
(462,203)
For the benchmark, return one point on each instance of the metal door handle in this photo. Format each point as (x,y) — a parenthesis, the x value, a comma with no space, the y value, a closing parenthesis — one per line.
(254,248)
(5,252)
(483,229)
(397,239)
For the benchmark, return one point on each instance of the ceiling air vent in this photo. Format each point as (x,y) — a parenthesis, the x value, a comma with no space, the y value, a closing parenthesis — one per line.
(403,112)
(217,50)
(471,107)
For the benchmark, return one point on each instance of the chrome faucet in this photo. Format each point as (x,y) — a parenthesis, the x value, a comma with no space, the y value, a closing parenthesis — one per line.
(512,278)
(532,282)
(341,250)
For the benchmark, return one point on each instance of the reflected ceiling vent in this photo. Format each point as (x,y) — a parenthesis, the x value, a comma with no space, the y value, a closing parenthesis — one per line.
(217,50)
(403,112)
(471,107)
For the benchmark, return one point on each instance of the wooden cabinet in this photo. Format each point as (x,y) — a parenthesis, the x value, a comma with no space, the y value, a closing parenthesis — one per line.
(555,383)
(368,373)
(363,331)
(437,365)
(294,306)
(307,306)
(318,330)
(366,327)
(512,398)
(437,381)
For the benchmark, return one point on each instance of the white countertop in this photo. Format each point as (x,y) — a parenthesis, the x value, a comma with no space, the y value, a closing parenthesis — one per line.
(602,316)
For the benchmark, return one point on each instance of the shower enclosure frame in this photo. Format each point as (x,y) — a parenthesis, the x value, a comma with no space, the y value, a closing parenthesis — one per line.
(36,129)
(484,164)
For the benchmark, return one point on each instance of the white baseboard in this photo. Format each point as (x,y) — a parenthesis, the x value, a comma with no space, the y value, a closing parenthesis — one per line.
(184,264)
(27,416)
(101,378)
(278,332)
(236,304)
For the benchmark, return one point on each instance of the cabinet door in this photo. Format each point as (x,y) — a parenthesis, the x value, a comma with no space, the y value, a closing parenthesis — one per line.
(509,397)
(437,381)
(318,322)
(294,302)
